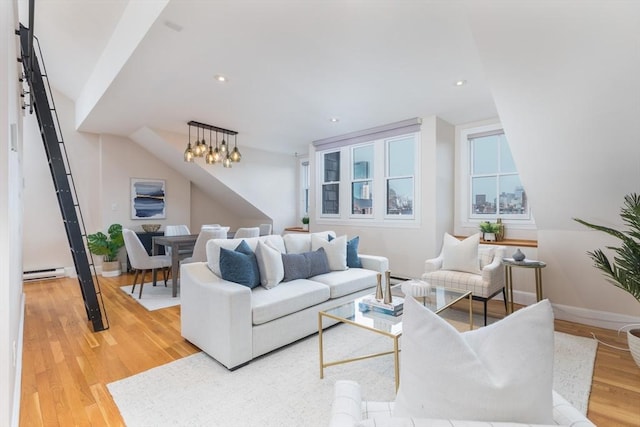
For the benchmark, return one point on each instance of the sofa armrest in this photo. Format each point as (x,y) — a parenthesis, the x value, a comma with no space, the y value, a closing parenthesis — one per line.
(433,264)
(494,273)
(375,263)
(216,315)
(346,409)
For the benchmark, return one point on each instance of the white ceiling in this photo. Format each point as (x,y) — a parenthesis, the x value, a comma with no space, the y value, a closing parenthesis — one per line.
(291,65)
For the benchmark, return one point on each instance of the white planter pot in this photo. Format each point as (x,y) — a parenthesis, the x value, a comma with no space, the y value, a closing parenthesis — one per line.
(111,268)
(490,237)
(633,339)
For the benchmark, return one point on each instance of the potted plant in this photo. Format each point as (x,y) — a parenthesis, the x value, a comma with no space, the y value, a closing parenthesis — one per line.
(489,230)
(624,271)
(305,222)
(108,246)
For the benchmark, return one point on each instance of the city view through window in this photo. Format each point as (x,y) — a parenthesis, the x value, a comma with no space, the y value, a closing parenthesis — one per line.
(495,183)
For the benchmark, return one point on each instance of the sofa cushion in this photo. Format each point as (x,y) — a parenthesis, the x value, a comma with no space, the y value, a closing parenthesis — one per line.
(240,266)
(461,255)
(270,265)
(502,372)
(286,298)
(336,250)
(347,281)
(297,243)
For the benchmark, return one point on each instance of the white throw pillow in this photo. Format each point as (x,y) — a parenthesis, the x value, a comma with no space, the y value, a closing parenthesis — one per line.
(298,243)
(502,372)
(336,250)
(269,264)
(461,255)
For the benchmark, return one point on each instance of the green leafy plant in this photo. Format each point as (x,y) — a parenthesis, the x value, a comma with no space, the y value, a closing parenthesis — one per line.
(489,227)
(107,245)
(305,220)
(624,271)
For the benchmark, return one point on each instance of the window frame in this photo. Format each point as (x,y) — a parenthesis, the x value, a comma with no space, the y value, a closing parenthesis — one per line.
(464,187)
(323,183)
(388,177)
(378,217)
(370,178)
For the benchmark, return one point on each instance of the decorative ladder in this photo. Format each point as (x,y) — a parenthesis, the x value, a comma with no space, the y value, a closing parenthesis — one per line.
(40,93)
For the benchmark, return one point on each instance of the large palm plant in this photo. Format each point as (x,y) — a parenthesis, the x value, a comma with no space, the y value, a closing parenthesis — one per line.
(624,271)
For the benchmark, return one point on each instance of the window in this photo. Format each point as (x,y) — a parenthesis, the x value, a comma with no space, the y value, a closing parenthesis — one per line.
(362,180)
(495,187)
(331,184)
(400,180)
(379,180)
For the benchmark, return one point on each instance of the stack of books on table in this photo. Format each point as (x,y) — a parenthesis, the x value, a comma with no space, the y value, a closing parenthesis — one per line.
(372,304)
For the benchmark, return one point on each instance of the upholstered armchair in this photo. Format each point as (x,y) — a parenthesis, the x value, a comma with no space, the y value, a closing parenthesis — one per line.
(468,265)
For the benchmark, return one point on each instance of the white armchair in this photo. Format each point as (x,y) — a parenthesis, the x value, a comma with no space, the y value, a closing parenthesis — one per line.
(488,282)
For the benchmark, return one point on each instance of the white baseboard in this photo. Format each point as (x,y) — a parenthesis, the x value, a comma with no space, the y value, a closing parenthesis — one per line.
(17,385)
(600,319)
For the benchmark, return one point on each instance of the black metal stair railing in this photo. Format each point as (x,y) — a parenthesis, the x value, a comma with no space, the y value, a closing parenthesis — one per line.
(41,101)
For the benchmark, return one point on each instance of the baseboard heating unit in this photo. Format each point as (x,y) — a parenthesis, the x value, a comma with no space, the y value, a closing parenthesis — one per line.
(47,273)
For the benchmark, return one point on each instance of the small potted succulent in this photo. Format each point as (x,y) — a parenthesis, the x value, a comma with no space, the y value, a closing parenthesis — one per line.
(305,222)
(108,246)
(624,271)
(489,230)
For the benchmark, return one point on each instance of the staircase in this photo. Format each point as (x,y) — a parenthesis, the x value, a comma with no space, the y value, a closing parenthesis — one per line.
(41,101)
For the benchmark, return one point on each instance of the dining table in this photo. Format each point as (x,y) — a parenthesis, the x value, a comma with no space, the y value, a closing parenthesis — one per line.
(176,243)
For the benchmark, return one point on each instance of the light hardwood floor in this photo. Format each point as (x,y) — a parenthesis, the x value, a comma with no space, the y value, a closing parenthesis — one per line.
(66,366)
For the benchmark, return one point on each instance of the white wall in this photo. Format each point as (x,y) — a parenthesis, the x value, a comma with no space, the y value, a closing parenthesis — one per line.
(11,296)
(570,113)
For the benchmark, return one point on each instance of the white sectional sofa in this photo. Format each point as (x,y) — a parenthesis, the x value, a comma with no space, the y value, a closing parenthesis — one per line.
(234,323)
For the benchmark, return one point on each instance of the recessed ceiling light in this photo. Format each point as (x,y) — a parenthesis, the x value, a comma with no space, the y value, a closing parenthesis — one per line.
(173,26)
(220,78)
(460,82)
(334,120)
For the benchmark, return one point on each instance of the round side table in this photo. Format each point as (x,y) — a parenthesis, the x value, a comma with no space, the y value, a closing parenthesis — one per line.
(537,266)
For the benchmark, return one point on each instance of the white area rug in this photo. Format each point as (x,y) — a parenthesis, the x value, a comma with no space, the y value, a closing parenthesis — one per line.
(153,297)
(283,388)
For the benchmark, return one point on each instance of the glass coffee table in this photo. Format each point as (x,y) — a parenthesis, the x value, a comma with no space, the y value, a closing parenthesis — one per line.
(436,299)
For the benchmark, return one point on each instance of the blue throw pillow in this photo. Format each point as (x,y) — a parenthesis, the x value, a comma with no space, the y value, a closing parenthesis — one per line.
(353,260)
(296,266)
(318,262)
(240,266)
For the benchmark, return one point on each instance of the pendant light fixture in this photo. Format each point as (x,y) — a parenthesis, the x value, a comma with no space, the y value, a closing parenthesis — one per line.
(235,154)
(217,158)
(209,157)
(220,154)
(188,153)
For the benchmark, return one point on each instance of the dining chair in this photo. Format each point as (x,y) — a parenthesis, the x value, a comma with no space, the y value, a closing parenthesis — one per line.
(200,248)
(141,261)
(265,229)
(177,230)
(246,232)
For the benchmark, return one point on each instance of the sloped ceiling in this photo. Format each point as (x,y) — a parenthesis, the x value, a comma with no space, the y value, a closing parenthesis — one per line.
(291,65)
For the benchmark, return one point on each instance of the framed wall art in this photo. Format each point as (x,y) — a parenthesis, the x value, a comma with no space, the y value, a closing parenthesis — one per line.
(148,198)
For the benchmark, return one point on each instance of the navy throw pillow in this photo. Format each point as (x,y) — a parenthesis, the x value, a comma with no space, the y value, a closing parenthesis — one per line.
(240,266)
(353,260)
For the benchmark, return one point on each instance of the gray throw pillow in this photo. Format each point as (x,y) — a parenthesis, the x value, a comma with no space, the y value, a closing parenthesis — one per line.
(296,266)
(318,262)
